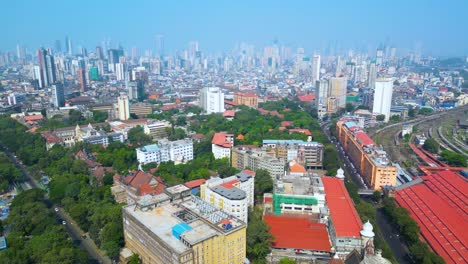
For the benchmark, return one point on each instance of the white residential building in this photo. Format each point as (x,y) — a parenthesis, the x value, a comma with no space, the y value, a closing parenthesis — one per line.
(221,145)
(179,151)
(212,100)
(157,129)
(123,107)
(383,97)
(233,194)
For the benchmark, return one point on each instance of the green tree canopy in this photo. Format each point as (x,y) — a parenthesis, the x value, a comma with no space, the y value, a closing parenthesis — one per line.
(263,183)
(431,145)
(138,137)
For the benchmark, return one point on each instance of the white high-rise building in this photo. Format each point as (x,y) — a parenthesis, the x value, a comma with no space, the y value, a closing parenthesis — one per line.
(383,97)
(315,68)
(124,107)
(119,71)
(321,95)
(212,100)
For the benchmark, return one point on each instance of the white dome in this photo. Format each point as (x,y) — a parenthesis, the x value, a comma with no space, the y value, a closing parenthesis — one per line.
(367,230)
(340,173)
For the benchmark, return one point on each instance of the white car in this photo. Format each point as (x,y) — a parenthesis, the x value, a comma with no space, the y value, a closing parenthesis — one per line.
(64,222)
(56,209)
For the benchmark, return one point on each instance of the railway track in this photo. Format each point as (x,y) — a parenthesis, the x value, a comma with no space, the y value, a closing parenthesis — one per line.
(452,146)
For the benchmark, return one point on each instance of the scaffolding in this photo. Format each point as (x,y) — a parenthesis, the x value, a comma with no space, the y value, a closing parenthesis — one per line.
(279,199)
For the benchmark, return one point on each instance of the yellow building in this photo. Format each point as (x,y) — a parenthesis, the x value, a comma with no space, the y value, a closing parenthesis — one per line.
(370,161)
(248,99)
(175,227)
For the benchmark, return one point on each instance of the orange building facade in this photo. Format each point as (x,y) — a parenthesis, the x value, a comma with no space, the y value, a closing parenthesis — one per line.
(370,161)
(248,99)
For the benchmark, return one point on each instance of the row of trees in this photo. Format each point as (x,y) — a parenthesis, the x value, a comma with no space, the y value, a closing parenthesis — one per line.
(453,158)
(409,229)
(87,200)
(9,174)
(368,212)
(35,235)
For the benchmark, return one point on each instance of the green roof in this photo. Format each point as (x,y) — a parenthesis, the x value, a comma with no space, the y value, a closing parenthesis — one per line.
(279,199)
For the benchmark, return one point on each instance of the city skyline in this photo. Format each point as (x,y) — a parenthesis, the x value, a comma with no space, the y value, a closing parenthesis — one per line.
(433,28)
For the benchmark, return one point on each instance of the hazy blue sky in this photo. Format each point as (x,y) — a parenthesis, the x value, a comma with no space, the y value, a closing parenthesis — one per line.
(439,26)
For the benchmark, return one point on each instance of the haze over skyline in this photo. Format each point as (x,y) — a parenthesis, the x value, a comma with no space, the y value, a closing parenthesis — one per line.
(435,26)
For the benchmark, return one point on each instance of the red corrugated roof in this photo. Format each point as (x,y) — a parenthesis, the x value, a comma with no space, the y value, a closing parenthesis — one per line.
(298,233)
(195,183)
(268,200)
(229,184)
(437,211)
(343,214)
(364,138)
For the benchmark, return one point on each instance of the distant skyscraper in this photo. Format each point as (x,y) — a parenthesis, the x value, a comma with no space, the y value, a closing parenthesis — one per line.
(160,45)
(120,71)
(58,46)
(68,43)
(94,73)
(38,76)
(114,55)
(47,68)
(81,75)
(337,88)
(99,53)
(124,107)
(379,58)
(383,97)
(321,97)
(372,75)
(315,68)
(58,95)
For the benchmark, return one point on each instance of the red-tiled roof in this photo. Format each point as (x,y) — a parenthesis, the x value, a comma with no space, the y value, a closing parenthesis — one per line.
(301,130)
(50,137)
(220,140)
(252,173)
(439,207)
(240,137)
(229,184)
(306,98)
(229,113)
(33,117)
(286,123)
(297,168)
(343,214)
(230,103)
(195,183)
(137,179)
(298,233)
(364,138)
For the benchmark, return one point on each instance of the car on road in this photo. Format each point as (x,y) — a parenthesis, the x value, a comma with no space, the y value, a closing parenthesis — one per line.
(56,209)
(64,222)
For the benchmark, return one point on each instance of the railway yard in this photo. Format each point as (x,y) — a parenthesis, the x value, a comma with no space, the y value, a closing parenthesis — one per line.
(442,127)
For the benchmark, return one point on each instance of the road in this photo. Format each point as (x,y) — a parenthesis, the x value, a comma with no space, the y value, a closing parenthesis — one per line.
(348,166)
(71,227)
(391,236)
